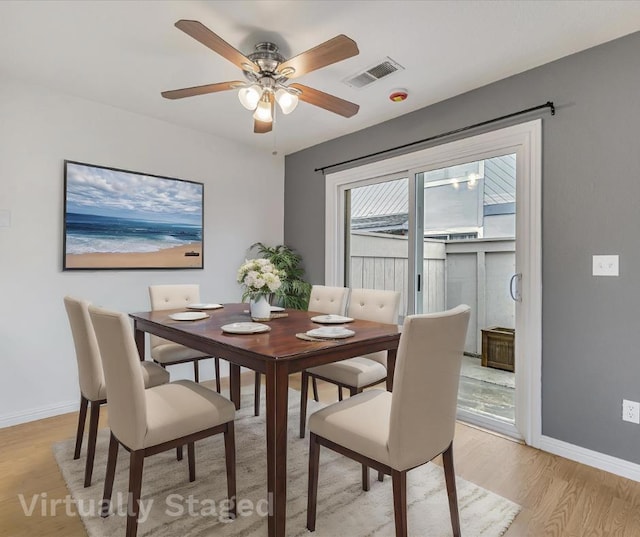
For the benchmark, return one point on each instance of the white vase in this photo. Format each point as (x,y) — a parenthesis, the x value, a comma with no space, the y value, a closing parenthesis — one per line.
(260,308)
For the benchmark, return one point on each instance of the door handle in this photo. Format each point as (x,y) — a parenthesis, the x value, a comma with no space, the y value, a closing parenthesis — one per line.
(515,292)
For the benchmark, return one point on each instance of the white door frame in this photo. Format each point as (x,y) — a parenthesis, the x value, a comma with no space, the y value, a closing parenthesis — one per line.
(525,140)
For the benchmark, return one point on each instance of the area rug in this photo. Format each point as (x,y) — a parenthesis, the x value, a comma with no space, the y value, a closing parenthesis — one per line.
(171,506)
(472,368)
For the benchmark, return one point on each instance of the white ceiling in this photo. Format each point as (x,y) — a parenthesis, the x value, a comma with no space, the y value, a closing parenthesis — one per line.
(124,53)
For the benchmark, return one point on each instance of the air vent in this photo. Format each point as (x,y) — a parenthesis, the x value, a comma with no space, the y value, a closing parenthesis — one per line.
(374,73)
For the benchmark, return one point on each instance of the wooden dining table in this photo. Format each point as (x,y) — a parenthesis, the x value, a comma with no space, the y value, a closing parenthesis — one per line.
(276,354)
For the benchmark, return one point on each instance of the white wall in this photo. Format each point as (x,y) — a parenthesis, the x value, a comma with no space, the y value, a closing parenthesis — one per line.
(39,128)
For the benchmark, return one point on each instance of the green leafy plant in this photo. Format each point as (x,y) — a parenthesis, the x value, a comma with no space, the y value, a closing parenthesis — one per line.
(294,291)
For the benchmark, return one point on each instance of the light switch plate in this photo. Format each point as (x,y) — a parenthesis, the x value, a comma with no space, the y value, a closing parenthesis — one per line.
(606,265)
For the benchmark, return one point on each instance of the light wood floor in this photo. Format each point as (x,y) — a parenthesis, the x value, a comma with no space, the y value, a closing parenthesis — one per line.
(559,497)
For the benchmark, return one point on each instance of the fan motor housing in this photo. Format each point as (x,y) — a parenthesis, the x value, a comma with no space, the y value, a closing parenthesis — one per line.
(267,57)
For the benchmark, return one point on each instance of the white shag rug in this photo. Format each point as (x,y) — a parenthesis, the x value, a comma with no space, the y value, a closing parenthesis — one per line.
(171,506)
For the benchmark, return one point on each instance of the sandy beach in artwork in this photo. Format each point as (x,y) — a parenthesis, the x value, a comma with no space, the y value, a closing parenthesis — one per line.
(166,258)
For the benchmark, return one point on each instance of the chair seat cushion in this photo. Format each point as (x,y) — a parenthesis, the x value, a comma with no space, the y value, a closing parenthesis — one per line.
(153,374)
(357,372)
(359,423)
(181,408)
(171,353)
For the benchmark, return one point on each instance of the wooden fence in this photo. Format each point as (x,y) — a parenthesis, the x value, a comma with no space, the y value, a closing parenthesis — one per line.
(475,272)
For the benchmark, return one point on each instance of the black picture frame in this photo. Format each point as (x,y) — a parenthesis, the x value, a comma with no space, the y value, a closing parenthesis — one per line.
(117,219)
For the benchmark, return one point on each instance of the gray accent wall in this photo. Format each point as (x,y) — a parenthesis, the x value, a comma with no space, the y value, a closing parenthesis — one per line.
(591,205)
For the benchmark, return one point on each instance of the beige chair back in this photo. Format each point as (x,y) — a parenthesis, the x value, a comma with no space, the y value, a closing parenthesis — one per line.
(425,386)
(123,375)
(169,297)
(329,300)
(375,305)
(90,375)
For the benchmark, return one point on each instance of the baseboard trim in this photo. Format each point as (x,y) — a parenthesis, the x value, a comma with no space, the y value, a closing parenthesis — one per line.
(595,459)
(34,414)
(64,407)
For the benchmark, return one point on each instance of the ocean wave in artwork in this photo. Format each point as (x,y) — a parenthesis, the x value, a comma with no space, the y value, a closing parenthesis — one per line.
(103,234)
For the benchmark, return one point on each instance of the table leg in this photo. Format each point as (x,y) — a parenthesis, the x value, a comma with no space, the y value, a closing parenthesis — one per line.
(234,384)
(139,336)
(277,407)
(391,367)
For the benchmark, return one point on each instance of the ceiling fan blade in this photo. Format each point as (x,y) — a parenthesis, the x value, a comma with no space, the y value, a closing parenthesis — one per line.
(202,90)
(201,33)
(262,127)
(335,50)
(326,101)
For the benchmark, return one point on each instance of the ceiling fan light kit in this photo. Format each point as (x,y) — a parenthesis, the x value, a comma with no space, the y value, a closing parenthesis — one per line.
(250,96)
(268,72)
(287,100)
(263,110)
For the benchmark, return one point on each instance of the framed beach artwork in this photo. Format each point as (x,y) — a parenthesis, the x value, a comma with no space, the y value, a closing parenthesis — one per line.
(118,219)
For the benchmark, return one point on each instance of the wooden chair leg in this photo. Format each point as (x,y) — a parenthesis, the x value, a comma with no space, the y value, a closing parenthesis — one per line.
(179,454)
(135,488)
(339,393)
(365,477)
(91,443)
(196,370)
(230,457)
(380,476)
(316,397)
(304,394)
(82,417)
(216,366)
(256,394)
(112,458)
(191,459)
(399,480)
(450,479)
(312,493)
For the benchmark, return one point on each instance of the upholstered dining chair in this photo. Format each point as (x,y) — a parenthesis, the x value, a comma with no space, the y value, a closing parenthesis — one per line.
(328,300)
(360,372)
(91,378)
(147,422)
(323,299)
(394,432)
(164,352)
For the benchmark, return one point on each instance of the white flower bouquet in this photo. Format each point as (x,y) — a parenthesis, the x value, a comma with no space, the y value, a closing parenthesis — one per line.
(259,277)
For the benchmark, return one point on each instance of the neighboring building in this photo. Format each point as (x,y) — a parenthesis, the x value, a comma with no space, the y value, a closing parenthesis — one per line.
(474,200)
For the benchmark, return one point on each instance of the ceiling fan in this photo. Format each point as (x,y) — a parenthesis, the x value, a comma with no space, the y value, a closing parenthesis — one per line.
(267,73)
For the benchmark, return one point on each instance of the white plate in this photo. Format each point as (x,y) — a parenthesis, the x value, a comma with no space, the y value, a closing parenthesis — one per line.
(331,319)
(204,306)
(276,308)
(245,328)
(188,316)
(331,332)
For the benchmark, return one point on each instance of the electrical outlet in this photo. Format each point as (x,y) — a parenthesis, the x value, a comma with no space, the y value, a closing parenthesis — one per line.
(631,411)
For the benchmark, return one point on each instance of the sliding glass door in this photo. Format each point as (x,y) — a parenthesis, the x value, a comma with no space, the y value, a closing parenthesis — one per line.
(376,233)
(448,230)
(468,241)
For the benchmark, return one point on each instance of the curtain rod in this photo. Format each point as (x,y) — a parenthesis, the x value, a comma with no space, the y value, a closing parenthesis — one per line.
(548,104)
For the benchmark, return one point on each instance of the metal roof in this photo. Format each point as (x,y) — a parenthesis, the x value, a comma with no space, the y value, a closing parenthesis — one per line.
(392,197)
